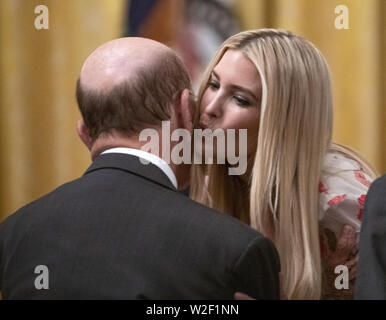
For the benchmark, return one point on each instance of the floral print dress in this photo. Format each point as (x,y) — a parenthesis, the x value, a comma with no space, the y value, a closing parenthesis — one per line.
(342,193)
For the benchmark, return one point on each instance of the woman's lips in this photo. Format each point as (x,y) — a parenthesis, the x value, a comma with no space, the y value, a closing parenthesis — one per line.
(203,126)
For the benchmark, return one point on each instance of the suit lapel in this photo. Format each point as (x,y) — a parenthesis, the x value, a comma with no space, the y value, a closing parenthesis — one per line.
(131,164)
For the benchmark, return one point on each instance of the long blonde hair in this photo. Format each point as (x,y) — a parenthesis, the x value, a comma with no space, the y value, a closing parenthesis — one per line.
(295,132)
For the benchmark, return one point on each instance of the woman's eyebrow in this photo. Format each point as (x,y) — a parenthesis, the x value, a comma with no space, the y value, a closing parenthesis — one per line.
(236,87)
(214,73)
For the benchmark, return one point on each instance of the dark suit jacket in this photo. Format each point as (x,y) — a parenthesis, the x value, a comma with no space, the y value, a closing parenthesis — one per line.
(371,280)
(122,231)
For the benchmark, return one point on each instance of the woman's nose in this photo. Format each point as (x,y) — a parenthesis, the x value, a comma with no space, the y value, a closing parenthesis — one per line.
(214,107)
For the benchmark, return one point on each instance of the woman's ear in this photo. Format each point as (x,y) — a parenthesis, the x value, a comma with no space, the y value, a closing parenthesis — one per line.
(185,110)
(83,133)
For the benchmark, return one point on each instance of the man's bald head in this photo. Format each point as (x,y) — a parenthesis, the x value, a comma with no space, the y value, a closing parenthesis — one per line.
(128,84)
(118,61)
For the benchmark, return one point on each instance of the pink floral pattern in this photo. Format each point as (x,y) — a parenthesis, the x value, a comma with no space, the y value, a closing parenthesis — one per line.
(361,202)
(362,179)
(342,193)
(337,199)
(322,188)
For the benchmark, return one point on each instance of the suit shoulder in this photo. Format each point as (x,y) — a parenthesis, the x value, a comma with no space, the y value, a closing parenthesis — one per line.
(375,204)
(379,183)
(27,210)
(220,226)
(377,191)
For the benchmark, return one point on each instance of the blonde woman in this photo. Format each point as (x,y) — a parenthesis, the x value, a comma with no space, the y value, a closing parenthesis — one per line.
(299,188)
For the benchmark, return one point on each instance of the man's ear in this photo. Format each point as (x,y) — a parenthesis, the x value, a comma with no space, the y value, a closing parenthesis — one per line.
(83,133)
(185,110)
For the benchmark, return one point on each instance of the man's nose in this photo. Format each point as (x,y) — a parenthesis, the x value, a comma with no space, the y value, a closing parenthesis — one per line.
(214,108)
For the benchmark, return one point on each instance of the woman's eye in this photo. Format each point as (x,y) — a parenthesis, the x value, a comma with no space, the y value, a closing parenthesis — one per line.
(213,85)
(241,101)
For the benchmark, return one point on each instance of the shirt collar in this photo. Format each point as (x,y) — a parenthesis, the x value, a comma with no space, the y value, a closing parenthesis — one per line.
(146,156)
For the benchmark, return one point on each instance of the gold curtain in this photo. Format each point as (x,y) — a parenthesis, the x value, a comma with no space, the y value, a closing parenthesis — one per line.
(356,57)
(39,148)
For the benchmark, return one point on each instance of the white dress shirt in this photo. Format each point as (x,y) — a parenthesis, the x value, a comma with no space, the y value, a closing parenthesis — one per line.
(157,161)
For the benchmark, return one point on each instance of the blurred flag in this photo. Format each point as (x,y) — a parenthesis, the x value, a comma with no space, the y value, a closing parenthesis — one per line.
(139,12)
(207,24)
(194,28)
(159,20)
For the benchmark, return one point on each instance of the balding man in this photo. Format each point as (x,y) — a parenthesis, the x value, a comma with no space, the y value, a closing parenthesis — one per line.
(122,230)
